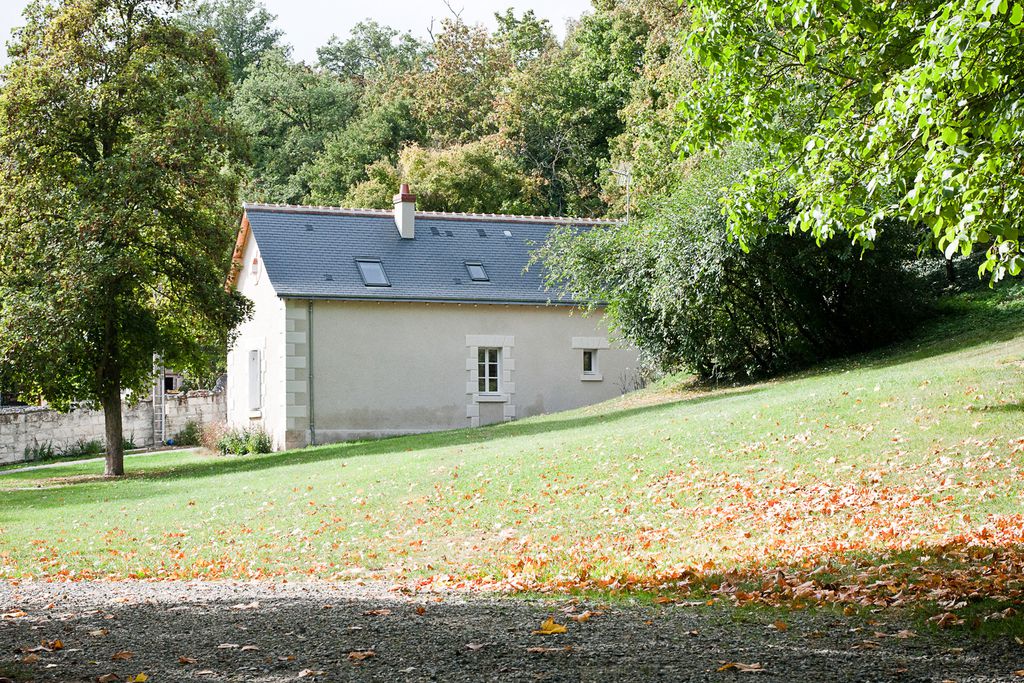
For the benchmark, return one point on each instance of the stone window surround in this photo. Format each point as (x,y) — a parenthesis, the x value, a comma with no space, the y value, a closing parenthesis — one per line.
(594,344)
(507,387)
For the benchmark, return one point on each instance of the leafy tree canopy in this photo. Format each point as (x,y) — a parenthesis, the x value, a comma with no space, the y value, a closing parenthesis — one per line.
(693,299)
(117,203)
(871,111)
(477,177)
(288,110)
(371,51)
(244,29)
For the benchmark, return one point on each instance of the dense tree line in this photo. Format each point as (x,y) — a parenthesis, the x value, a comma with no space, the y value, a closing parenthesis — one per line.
(512,120)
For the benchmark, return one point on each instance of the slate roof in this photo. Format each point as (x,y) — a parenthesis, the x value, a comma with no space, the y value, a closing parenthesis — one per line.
(310,252)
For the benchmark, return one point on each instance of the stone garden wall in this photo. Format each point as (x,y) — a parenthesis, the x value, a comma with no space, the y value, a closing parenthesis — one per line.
(21,428)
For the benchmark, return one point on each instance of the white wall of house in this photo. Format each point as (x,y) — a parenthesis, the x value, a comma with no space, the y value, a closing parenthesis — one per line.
(257,399)
(386,368)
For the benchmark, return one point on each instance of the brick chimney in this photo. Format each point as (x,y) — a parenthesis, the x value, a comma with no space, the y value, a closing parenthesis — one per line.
(405,212)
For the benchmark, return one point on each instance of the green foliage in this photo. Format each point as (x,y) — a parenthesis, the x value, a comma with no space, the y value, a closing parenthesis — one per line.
(371,51)
(189,435)
(651,115)
(128,443)
(117,202)
(455,95)
(82,449)
(348,155)
(40,451)
(287,110)
(477,177)
(524,38)
(561,110)
(243,29)
(873,111)
(332,134)
(258,441)
(683,291)
(244,441)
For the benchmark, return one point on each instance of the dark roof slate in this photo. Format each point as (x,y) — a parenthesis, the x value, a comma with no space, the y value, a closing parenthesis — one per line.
(310,252)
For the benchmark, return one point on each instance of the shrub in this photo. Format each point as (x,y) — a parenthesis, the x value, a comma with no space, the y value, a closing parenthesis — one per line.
(83,449)
(243,441)
(683,290)
(190,435)
(258,441)
(128,443)
(40,451)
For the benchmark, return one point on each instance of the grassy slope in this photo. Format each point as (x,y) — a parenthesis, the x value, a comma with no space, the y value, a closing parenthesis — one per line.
(895,452)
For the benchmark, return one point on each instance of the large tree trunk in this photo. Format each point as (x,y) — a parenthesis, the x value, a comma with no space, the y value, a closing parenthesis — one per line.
(114,431)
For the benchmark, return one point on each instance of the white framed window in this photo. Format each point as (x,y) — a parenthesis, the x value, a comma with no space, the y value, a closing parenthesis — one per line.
(590,362)
(590,367)
(255,381)
(488,369)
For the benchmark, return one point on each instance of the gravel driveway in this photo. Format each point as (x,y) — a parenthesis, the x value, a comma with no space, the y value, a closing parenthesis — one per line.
(326,632)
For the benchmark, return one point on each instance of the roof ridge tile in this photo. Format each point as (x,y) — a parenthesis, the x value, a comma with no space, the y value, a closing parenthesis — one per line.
(452,215)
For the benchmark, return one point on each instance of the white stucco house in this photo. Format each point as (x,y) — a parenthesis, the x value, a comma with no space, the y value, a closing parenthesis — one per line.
(372,323)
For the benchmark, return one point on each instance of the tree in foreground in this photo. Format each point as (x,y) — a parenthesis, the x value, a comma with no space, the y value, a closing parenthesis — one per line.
(872,111)
(117,203)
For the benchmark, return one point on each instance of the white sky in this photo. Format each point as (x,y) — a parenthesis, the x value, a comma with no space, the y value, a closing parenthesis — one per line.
(308,24)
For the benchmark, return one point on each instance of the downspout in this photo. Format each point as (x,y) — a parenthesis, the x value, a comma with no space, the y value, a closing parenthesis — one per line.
(309,362)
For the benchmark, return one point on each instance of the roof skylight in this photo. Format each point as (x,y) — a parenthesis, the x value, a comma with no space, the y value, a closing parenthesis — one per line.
(476,271)
(372,272)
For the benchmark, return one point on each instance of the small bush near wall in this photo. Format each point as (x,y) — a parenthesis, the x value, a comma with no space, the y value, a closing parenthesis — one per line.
(190,435)
(40,451)
(83,449)
(258,441)
(243,441)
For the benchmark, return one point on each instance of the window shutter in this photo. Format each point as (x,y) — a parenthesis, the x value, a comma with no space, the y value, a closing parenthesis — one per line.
(255,388)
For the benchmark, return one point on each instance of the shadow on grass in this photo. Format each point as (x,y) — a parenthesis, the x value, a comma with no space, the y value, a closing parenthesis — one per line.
(1004,408)
(69,488)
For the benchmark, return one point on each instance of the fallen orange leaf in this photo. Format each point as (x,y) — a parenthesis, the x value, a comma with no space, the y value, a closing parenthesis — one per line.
(122,656)
(741,667)
(360,655)
(549,627)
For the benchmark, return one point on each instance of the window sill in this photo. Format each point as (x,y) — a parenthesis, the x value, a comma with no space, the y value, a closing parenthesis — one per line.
(592,377)
(255,414)
(491,398)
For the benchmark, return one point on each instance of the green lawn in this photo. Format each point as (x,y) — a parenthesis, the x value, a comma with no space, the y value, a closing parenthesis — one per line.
(912,458)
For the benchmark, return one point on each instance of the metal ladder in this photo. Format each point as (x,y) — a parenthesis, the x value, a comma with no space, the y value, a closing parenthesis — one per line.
(159,407)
